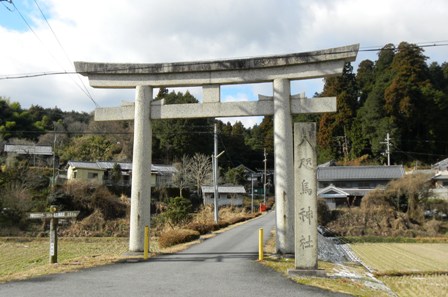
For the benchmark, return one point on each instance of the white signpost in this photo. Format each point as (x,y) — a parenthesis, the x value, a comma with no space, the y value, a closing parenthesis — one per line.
(54,216)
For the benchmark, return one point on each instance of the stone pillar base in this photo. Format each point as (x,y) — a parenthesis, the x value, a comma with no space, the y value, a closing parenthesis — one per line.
(307,272)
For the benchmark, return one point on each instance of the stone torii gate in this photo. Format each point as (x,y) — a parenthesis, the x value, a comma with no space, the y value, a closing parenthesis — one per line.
(210,75)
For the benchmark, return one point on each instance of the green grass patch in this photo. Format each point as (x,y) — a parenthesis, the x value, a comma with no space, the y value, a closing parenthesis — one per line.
(22,258)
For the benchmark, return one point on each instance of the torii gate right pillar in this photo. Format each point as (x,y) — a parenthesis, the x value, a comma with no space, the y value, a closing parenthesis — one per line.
(283,166)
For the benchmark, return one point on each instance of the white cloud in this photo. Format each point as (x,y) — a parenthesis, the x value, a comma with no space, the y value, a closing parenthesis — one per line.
(176,30)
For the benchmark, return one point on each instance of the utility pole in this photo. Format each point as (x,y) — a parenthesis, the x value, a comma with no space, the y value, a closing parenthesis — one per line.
(215,157)
(264,177)
(53,182)
(345,147)
(387,142)
(252,193)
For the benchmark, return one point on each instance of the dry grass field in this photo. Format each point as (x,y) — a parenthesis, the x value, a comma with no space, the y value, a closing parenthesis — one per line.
(22,258)
(409,269)
(388,258)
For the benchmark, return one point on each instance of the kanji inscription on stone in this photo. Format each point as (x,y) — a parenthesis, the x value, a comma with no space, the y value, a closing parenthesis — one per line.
(305,196)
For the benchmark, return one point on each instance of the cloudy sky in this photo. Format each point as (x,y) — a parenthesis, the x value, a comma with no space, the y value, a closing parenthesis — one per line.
(154,31)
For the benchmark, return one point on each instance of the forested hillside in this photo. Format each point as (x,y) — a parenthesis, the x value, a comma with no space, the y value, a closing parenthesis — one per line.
(399,94)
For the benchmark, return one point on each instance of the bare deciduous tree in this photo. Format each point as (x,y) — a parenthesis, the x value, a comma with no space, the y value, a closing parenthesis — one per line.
(193,171)
(200,171)
(180,178)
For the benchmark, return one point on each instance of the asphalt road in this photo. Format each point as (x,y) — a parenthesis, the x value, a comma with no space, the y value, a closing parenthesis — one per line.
(222,266)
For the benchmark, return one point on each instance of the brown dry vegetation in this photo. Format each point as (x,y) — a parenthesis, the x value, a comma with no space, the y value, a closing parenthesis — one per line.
(394,211)
(202,222)
(174,237)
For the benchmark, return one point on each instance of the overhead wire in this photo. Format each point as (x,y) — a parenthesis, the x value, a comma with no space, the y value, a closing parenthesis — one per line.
(142,67)
(83,86)
(84,90)
(9,1)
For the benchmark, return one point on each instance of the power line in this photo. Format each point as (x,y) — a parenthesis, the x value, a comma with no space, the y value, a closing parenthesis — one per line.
(9,1)
(418,153)
(84,90)
(164,65)
(37,74)
(83,87)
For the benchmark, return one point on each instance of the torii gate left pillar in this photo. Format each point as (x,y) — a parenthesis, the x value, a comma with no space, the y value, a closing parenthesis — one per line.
(141,172)
(279,70)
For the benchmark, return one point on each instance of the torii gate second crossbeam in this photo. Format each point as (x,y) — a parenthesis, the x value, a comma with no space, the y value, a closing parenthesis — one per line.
(210,75)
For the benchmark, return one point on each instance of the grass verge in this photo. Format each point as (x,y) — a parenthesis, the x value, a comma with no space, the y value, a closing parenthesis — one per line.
(408,269)
(346,278)
(22,258)
(26,257)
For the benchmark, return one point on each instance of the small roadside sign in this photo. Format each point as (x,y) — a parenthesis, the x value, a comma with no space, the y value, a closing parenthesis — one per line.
(53,215)
(56,215)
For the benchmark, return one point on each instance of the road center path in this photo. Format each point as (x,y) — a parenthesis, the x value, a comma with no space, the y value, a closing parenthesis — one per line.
(222,266)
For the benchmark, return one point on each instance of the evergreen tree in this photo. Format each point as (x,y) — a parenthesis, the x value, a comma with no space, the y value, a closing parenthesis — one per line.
(177,137)
(409,99)
(338,126)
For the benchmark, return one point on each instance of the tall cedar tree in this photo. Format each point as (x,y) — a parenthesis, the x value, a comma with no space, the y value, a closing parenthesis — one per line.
(334,128)
(409,99)
(372,121)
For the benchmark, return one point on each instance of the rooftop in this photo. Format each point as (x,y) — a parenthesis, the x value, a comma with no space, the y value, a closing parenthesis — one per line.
(343,173)
(21,149)
(125,166)
(224,189)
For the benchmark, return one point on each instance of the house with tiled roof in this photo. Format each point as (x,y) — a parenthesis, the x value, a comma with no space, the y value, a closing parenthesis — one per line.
(347,185)
(40,155)
(102,173)
(441,174)
(227,195)
(440,179)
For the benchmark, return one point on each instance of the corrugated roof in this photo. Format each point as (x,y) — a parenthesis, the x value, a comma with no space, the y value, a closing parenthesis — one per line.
(86,165)
(224,189)
(110,165)
(162,169)
(343,173)
(441,165)
(21,149)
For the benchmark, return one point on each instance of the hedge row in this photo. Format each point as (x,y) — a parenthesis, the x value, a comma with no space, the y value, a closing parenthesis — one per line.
(174,237)
(193,231)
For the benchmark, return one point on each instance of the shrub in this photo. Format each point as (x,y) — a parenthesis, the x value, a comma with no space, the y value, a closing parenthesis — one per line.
(323,212)
(432,227)
(178,211)
(270,203)
(174,237)
(87,198)
(220,225)
(201,228)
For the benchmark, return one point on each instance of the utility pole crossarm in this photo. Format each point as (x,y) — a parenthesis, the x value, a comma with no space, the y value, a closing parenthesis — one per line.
(387,143)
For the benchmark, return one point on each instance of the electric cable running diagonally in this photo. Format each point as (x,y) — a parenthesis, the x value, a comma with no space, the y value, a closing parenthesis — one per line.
(363,49)
(81,86)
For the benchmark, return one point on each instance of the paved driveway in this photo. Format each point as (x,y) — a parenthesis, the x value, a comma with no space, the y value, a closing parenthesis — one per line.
(222,266)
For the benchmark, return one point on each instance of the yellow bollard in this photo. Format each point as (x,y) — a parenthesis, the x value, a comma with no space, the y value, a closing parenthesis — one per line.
(260,245)
(146,244)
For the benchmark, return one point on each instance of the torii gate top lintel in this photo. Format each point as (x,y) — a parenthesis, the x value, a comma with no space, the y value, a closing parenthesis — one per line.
(233,71)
